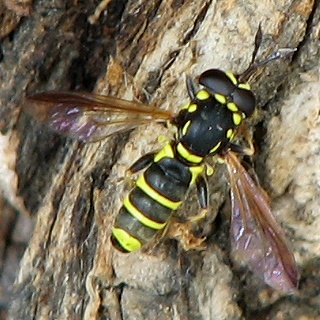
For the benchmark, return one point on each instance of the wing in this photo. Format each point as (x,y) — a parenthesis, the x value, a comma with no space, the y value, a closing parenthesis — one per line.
(256,237)
(90,117)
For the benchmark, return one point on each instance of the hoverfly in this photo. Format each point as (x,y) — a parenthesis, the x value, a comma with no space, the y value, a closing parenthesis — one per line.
(206,127)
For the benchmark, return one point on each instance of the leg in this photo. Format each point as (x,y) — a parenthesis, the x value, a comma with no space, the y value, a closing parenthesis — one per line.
(202,191)
(191,88)
(140,164)
(182,231)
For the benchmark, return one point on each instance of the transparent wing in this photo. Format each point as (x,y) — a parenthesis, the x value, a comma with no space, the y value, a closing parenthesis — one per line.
(90,117)
(256,237)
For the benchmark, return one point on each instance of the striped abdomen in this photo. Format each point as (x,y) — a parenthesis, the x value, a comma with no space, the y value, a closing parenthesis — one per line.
(146,210)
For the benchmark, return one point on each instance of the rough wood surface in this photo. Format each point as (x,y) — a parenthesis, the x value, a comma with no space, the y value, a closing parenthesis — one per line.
(143,50)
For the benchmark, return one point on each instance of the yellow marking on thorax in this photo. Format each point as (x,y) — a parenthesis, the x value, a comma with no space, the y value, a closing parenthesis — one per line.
(185,154)
(237,118)
(232,77)
(230,133)
(215,147)
(203,94)
(192,107)
(232,106)
(185,128)
(220,98)
(245,86)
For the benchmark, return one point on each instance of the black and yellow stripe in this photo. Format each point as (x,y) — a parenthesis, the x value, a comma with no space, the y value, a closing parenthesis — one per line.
(158,192)
(204,127)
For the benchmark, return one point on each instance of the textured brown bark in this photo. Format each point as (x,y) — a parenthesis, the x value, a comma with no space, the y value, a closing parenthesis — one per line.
(142,50)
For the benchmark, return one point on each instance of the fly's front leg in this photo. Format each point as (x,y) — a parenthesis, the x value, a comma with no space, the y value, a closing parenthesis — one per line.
(203,198)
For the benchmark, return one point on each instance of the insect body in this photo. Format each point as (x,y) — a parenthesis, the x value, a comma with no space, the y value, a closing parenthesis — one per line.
(206,127)
(211,115)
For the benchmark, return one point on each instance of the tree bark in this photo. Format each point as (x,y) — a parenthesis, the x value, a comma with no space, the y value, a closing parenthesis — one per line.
(142,50)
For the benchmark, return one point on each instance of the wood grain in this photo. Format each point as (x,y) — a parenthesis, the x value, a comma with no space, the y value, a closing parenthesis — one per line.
(142,50)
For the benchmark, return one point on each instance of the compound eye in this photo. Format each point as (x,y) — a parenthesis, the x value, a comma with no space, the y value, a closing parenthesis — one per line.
(216,81)
(245,101)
